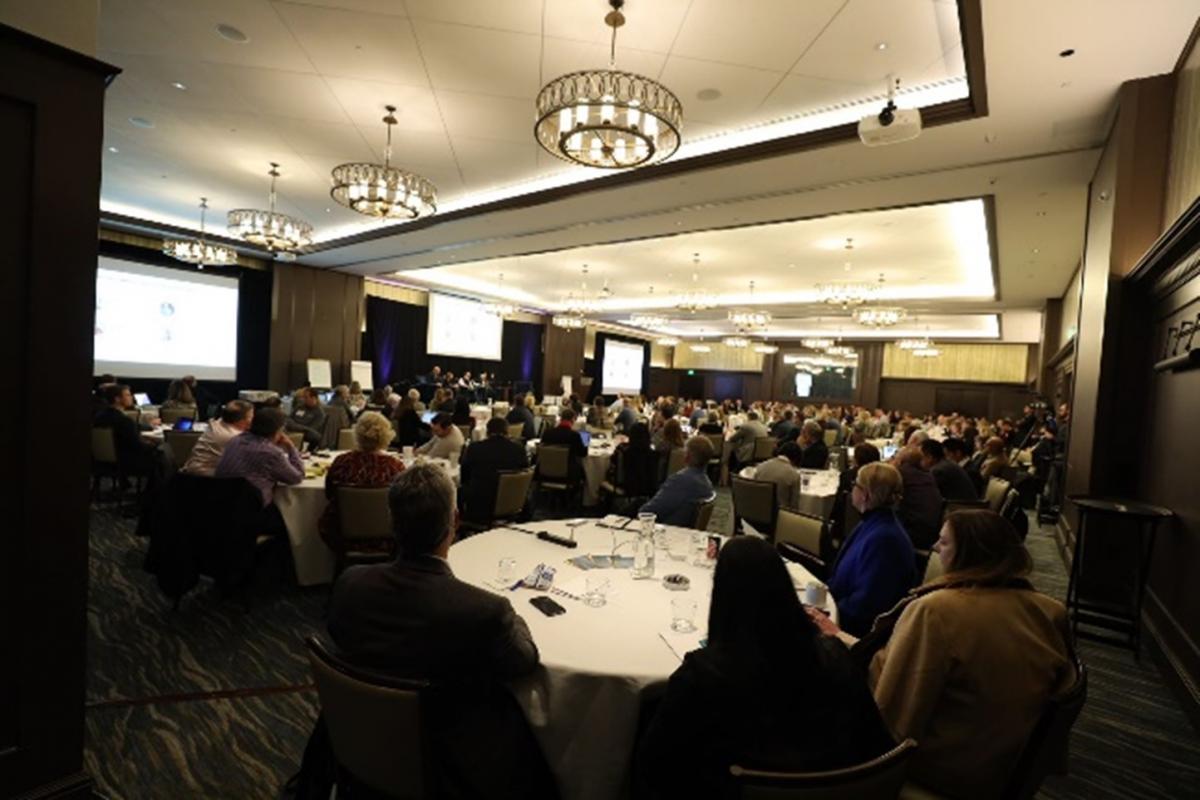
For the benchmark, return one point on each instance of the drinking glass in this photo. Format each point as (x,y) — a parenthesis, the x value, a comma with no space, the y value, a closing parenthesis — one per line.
(683,614)
(678,544)
(596,591)
(506,571)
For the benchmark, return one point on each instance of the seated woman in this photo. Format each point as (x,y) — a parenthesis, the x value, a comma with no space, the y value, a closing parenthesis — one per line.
(368,466)
(356,400)
(638,462)
(670,437)
(462,412)
(969,660)
(179,398)
(876,564)
(767,692)
(410,430)
(712,423)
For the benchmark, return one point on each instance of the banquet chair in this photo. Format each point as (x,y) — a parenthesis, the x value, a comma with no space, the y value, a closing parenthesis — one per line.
(554,472)
(831,436)
(297,439)
(997,490)
(850,519)
(813,563)
(133,413)
(704,512)
(676,460)
(933,568)
(180,444)
(465,430)
(375,725)
(104,461)
(755,502)
(805,531)
(346,441)
(1045,751)
(877,779)
(512,492)
(364,517)
(516,432)
(764,448)
(170,416)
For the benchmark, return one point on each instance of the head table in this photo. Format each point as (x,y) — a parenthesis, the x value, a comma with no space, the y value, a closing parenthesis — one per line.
(584,700)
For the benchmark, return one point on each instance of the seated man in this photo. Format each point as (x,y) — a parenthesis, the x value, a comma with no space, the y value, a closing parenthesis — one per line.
(564,434)
(522,413)
(447,439)
(235,419)
(682,493)
(134,456)
(481,467)
(412,618)
(812,443)
(308,417)
(785,429)
(742,441)
(952,480)
(783,471)
(264,456)
(920,507)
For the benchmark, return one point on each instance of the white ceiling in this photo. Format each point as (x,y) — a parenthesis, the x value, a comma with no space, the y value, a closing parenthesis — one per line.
(308,89)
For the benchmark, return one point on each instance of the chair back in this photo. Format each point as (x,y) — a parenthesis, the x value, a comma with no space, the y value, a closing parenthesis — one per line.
(104,446)
(933,568)
(754,501)
(364,513)
(852,516)
(374,725)
(802,530)
(718,444)
(764,447)
(297,439)
(516,431)
(997,490)
(810,561)
(704,512)
(512,488)
(554,462)
(831,437)
(170,416)
(346,440)
(878,779)
(465,430)
(180,444)
(1046,749)
(950,506)
(676,460)
(133,413)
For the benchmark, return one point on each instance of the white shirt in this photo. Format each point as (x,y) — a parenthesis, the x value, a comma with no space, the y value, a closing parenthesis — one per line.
(209,447)
(443,446)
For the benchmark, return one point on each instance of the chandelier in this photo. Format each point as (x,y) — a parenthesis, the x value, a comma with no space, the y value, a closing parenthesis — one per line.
(198,251)
(270,229)
(568,321)
(816,343)
(766,349)
(701,347)
(381,190)
(695,300)
(845,295)
(926,352)
(749,319)
(578,306)
(922,343)
(736,341)
(649,320)
(499,308)
(841,351)
(608,118)
(667,341)
(879,316)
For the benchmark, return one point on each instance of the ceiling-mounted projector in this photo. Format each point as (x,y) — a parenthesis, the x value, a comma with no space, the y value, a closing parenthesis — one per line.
(889,126)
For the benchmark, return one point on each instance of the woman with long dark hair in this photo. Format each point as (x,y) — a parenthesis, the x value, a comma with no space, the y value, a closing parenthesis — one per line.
(767,692)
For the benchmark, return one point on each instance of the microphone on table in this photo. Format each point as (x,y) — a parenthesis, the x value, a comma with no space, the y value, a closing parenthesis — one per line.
(546,536)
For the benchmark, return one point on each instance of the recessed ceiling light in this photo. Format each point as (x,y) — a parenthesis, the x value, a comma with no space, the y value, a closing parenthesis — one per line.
(881,46)
(113,150)
(181,87)
(1070,51)
(1065,85)
(1041,213)
(232,34)
(708,94)
(140,122)
(329,211)
(1036,251)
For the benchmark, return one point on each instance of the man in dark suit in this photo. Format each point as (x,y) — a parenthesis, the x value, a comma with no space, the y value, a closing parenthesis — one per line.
(134,456)
(785,429)
(522,413)
(812,442)
(412,618)
(481,467)
(952,480)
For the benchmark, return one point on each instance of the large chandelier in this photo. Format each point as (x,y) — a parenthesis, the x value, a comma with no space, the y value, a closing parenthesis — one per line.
(269,228)
(568,321)
(578,306)
(845,295)
(648,320)
(816,343)
(766,349)
(381,190)
(926,352)
(499,308)
(841,351)
(750,319)
(667,341)
(737,342)
(701,347)
(695,299)
(607,118)
(922,343)
(879,316)
(198,251)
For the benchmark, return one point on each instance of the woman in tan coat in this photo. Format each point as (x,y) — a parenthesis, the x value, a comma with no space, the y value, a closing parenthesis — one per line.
(973,659)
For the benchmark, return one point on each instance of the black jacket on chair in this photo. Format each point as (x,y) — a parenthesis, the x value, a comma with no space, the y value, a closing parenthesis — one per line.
(481,465)
(412,618)
(523,415)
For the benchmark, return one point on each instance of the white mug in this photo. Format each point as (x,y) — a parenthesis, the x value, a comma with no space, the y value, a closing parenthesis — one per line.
(814,594)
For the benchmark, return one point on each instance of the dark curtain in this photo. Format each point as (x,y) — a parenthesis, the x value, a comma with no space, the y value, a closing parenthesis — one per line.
(597,365)
(395,345)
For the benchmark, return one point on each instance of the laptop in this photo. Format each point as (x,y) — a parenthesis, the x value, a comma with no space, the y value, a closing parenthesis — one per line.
(428,416)
(142,399)
(183,424)
(889,450)
(587,438)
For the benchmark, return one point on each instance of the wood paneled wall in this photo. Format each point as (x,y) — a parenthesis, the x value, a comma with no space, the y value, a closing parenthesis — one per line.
(1183,176)
(722,359)
(973,398)
(315,313)
(985,363)
(563,355)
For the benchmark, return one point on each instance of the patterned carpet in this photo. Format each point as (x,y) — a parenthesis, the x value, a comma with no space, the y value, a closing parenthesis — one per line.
(213,701)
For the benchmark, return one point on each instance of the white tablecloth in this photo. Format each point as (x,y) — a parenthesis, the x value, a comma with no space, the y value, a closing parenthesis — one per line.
(821,494)
(595,467)
(583,703)
(301,507)
(481,414)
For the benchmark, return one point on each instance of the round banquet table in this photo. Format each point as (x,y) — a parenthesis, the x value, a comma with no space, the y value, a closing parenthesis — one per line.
(584,700)
(301,507)
(821,494)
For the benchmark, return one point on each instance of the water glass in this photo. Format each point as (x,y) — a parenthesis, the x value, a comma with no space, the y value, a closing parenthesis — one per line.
(683,615)
(814,594)
(678,544)
(506,571)
(596,591)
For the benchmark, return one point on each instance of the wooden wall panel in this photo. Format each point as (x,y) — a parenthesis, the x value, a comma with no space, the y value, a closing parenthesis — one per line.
(987,363)
(1183,175)
(562,355)
(722,358)
(315,314)
(943,397)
